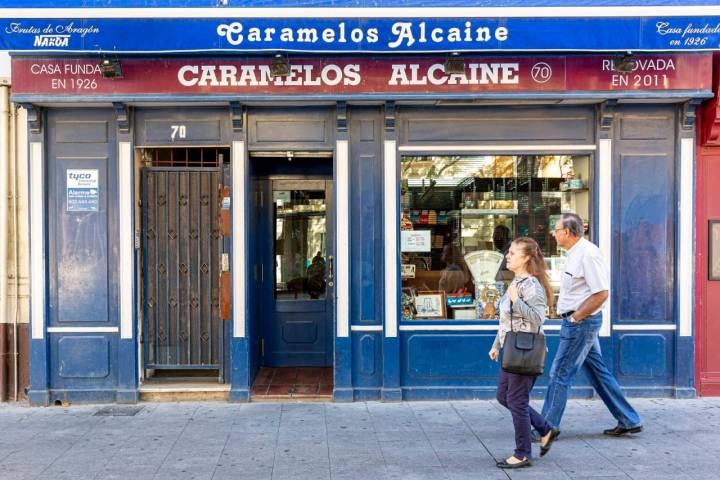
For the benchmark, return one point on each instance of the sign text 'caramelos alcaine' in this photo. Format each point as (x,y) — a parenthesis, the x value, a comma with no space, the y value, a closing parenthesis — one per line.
(404,33)
(348,74)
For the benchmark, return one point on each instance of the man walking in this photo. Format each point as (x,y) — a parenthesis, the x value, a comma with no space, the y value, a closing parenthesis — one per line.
(583,292)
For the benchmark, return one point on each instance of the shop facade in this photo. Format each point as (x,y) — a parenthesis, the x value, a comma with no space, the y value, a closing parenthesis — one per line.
(211,213)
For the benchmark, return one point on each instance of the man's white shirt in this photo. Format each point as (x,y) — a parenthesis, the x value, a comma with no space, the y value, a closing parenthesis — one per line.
(585,274)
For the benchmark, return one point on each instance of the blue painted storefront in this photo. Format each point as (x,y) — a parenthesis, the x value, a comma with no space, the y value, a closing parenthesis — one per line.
(648,346)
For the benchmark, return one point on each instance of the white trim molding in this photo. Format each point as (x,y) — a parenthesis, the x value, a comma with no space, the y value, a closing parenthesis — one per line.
(497,148)
(687,236)
(37,236)
(367,328)
(604,197)
(127,238)
(640,327)
(391,232)
(462,328)
(366,12)
(82,329)
(239,195)
(342,225)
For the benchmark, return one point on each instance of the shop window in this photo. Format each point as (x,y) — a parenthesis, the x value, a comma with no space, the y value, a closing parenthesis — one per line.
(459,215)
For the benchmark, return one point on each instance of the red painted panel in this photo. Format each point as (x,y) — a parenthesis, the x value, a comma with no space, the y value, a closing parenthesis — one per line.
(362,75)
(707,294)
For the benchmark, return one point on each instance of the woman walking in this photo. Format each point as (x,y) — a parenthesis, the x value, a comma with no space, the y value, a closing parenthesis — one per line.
(522,309)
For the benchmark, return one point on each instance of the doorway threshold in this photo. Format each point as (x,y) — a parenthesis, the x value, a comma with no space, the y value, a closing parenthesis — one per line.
(302,384)
(177,391)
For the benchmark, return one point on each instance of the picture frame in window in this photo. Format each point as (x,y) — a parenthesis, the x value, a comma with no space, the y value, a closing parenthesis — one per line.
(430,304)
(714,250)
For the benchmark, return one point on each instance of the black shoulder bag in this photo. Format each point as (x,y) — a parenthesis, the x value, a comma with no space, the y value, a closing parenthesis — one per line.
(523,352)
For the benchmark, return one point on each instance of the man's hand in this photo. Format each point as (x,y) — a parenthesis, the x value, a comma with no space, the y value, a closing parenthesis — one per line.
(590,305)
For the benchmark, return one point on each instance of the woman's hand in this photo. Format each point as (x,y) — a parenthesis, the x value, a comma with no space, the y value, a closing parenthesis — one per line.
(512,293)
(493,354)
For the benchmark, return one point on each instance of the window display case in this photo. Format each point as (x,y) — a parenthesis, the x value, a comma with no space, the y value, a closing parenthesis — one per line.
(463,204)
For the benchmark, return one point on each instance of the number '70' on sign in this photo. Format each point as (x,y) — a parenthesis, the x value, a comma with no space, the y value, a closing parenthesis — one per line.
(177,131)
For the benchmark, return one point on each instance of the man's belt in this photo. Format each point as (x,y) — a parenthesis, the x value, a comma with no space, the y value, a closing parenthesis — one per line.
(567,315)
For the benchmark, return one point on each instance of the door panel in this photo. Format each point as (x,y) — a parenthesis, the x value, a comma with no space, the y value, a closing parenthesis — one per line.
(181,261)
(298,266)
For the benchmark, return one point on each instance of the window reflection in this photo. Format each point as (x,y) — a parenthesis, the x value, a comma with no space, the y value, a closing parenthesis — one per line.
(300,244)
(460,213)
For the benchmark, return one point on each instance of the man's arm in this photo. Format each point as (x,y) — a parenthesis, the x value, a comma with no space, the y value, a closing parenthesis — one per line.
(592,303)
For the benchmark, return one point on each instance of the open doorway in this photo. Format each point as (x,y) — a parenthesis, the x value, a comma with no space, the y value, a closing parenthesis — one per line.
(292,253)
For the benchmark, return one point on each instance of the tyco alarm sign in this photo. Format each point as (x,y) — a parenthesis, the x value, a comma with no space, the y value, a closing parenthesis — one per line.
(82,191)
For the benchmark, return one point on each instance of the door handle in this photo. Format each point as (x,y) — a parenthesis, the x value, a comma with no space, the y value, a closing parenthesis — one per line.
(330,267)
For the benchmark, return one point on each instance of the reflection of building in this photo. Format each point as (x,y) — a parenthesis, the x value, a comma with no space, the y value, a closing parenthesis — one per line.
(196,155)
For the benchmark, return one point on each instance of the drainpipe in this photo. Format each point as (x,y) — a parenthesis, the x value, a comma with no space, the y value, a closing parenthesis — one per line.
(4,164)
(16,244)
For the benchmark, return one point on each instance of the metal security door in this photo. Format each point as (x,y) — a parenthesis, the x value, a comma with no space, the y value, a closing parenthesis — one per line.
(181,268)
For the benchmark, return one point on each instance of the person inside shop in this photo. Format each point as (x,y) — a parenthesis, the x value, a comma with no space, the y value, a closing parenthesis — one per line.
(522,309)
(454,276)
(316,276)
(501,242)
(583,292)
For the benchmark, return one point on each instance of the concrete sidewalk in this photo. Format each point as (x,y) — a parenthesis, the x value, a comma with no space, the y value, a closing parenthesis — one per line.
(420,440)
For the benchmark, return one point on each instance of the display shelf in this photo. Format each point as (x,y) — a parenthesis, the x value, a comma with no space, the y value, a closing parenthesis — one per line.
(467,212)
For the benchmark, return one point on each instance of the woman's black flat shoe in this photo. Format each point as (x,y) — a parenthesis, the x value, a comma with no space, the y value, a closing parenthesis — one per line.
(505,464)
(554,433)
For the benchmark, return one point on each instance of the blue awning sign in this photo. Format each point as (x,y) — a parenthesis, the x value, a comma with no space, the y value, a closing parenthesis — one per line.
(359,35)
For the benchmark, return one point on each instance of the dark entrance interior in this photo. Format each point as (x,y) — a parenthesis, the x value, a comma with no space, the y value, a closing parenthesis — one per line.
(292,253)
(182,333)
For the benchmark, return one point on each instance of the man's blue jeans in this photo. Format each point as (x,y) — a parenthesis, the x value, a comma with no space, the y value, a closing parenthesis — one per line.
(580,347)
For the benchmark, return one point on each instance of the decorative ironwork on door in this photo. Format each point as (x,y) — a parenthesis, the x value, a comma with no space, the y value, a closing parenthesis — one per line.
(181,268)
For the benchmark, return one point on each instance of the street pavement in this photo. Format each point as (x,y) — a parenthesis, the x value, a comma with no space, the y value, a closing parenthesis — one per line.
(372,440)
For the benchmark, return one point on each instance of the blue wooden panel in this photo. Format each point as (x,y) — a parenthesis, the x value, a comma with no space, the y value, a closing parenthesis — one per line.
(459,359)
(202,126)
(645,251)
(85,363)
(644,360)
(367,359)
(642,355)
(81,243)
(81,132)
(644,211)
(195,131)
(447,359)
(82,255)
(83,357)
(448,126)
(366,207)
(290,129)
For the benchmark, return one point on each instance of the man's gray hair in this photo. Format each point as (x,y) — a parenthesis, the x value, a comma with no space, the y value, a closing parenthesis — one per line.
(573,223)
